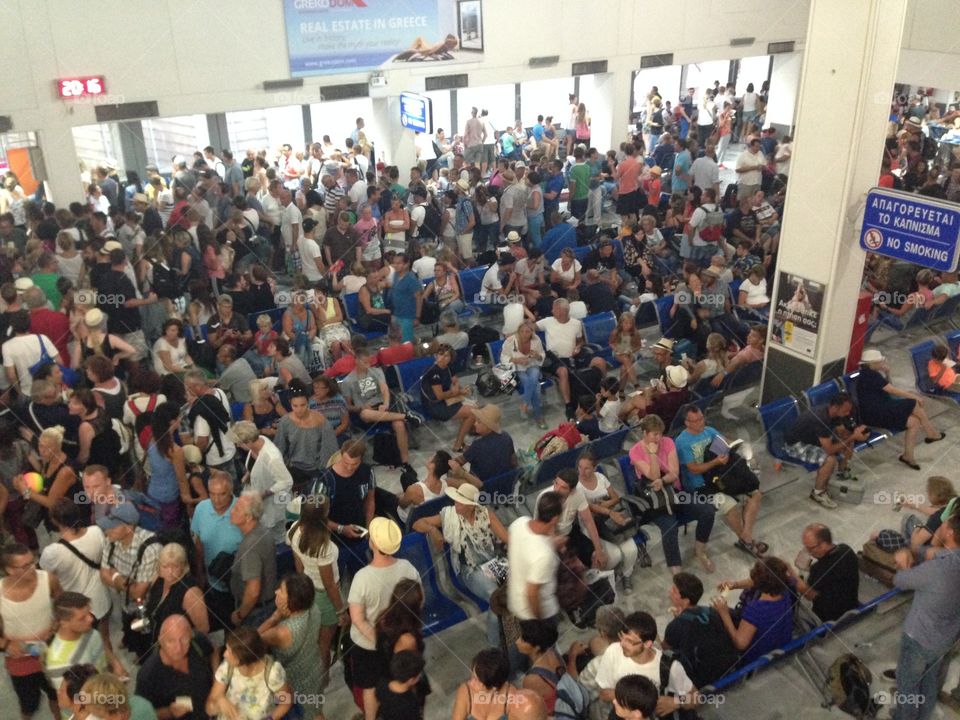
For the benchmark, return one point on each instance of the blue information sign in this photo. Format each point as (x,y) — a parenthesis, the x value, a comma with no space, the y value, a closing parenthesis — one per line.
(911,227)
(416,112)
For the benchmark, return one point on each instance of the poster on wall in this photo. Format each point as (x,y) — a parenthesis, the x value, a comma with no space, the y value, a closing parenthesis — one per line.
(343,36)
(796,317)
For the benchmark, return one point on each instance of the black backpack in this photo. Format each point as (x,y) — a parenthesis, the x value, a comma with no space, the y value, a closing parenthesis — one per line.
(848,682)
(667,659)
(432,221)
(166,284)
(713,655)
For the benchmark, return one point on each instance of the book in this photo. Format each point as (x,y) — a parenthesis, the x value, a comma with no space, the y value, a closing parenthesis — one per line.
(720,446)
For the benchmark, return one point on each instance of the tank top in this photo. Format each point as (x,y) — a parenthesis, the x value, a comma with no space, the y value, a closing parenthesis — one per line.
(163,485)
(159,608)
(428,495)
(300,328)
(105,446)
(30,619)
(113,402)
(265,420)
(503,715)
(104,348)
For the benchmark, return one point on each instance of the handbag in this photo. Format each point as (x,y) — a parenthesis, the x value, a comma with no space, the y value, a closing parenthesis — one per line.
(44,358)
(614,533)
(735,478)
(649,500)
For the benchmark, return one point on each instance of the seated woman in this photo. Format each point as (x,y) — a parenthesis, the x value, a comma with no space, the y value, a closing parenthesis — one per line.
(565,272)
(524,350)
(432,487)
(537,642)
(753,297)
(489,694)
(713,365)
(920,531)
(626,343)
(765,621)
(921,298)
(170,350)
(445,289)
(444,396)
(333,329)
(264,409)
(259,355)
(882,404)
(373,311)
(328,401)
(583,660)
(476,537)
(940,369)
(286,364)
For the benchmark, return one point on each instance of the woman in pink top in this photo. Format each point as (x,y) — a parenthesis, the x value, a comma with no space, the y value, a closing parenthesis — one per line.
(654,459)
(756,339)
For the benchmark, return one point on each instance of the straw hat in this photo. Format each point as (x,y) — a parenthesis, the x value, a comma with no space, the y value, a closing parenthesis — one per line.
(385,535)
(489,415)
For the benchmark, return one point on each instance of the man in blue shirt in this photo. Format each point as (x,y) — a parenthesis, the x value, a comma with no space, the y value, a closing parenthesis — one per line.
(551,191)
(537,130)
(681,166)
(406,296)
(692,446)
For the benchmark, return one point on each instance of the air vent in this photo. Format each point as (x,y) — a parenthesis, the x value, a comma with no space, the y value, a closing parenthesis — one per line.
(446,82)
(593,67)
(127,111)
(741,42)
(6,123)
(282,84)
(655,61)
(344,92)
(775,48)
(545,61)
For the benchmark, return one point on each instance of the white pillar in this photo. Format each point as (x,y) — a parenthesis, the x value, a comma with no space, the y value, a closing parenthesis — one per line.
(60,161)
(849,67)
(784,83)
(394,143)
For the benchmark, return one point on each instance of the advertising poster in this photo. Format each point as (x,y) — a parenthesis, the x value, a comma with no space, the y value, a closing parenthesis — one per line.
(342,36)
(796,317)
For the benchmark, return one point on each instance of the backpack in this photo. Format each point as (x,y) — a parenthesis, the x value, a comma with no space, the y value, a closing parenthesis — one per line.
(713,655)
(165,282)
(431,221)
(848,682)
(711,230)
(386,451)
(667,659)
(573,699)
(566,436)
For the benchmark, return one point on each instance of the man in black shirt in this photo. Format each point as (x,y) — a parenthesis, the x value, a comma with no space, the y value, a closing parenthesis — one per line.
(117,297)
(826,437)
(743,223)
(180,667)
(349,486)
(696,634)
(597,294)
(834,582)
(604,260)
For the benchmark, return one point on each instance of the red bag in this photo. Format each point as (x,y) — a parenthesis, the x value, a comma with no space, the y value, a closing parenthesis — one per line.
(566,432)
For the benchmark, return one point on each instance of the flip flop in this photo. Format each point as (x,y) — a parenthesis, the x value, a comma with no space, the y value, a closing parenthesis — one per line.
(909,464)
(933,440)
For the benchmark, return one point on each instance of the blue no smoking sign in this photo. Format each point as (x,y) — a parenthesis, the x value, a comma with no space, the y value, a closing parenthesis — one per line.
(911,227)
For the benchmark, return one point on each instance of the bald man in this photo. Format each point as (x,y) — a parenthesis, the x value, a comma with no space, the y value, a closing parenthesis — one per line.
(834,582)
(177,676)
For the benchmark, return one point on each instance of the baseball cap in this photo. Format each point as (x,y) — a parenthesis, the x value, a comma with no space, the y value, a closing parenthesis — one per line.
(123,514)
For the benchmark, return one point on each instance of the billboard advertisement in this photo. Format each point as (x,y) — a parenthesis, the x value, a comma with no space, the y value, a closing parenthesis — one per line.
(343,36)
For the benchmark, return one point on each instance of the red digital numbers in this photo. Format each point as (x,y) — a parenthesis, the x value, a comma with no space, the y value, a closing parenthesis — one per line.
(81,87)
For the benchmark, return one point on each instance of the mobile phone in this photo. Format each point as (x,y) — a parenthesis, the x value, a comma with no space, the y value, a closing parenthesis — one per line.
(184,701)
(683,356)
(360,530)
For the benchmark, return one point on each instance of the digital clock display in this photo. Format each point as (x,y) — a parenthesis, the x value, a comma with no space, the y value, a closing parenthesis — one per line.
(81,87)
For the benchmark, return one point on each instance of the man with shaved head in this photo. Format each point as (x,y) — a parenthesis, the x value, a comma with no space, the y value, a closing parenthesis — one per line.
(180,667)
(834,581)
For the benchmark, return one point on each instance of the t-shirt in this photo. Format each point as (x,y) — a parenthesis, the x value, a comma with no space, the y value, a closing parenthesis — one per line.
(113,290)
(341,245)
(364,391)
(600,492)
(403,296)
(773,620)
(691,449)
(836,578)
(436,375)
(252,696)
(580,174)
(681,164)
(490,455)
(639,452)
(573,505)
(22,353)
(63,654)
(256,559)
(74,574)
(372,588)
(753,161)
(216,533)
(811,426)
(705,172)
(312,564)
(531,559)
(490,282)
(161,684)
(347,494)
(568,274)
(554,184)
(397,706)
(561,337)
(309,252)
(614,665)
(201,428)
(628,175)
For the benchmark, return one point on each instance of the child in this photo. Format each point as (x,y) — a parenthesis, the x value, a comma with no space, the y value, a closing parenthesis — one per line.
(328,401)
(396,697)
(587,422)
(262,340)
(626,343)
(609,405)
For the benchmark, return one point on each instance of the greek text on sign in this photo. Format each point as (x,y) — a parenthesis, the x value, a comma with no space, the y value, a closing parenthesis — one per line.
(911,227)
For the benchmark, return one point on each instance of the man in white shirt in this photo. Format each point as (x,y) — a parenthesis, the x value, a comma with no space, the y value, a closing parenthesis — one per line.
(749,166)
(564,339)
(706,172)
(576,515)
(218,449)
(423,266)
(23,351)
(311,258)
(290,221)
(636,655)
(358,188)
(533,561)
(272,209)
(418,212)
(492,287)
(315,163)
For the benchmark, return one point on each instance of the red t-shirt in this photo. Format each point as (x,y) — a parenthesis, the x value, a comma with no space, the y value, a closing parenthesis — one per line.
(346,364)
(628,175)
(54,325)
(886,181)
(653,191)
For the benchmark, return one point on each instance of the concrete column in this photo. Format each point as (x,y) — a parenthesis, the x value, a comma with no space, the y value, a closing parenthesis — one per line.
(394,143)
(849,67)
(133,150)
(608,101)
(59,157)
(217,128)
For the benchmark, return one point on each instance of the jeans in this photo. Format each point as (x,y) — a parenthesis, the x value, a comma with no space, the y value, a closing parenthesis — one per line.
(669,536)
(482,585)
(529,378)
(920,675)
(700,509)
(485,237)
(454,306)
(535,230)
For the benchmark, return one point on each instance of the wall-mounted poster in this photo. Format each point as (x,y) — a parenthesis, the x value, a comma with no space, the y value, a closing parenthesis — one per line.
(343,36)
(796,316)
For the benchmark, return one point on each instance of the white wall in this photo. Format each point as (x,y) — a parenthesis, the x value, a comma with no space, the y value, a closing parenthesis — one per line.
(442,117)
(929,55)
(702,75)
(665,79)
(498,100)
(166,137)
(545,97)
(752,70)
(784,84)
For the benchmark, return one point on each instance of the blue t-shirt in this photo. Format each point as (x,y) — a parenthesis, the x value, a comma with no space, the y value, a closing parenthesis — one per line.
(507,143)
(403,296)
(553,184)
(537,132)
(217,534)
(490,455)
(774,622)
(681,164)
(691,449)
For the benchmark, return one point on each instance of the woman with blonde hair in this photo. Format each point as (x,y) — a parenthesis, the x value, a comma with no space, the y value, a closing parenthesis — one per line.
(94,339)
(59,479)
(175,592)
(264,409)
(315,555)
(713,363)
(110,699)
(71,262)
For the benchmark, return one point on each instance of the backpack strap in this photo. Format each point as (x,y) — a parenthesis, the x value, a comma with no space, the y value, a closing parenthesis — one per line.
(153,539)
(87,561)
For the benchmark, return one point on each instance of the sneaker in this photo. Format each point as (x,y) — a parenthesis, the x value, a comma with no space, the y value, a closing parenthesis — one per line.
(415,419)
(541,423)
(823,499)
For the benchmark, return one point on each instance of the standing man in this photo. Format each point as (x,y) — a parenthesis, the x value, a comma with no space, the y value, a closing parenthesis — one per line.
(834,582)
(232,175)
(704,171)
(682,164)
(533,561)
(931,627)
(290,221)
(474,135)
(464,219)
(209,415)
(253,578)
(628,185)
(579,184)
(406,296)
(749,168)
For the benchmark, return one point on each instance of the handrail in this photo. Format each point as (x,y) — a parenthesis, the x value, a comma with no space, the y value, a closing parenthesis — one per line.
(799,643)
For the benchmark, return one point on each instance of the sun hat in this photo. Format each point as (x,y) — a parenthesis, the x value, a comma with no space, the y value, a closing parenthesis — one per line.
(466,494)
(489,415)
(109,246)
(677,376)
(871,356)
(140,197)
(93,318)
(655,170)
(191,453)
(664,344)
(385,535)
(513,236)
(23,284)
(463,185)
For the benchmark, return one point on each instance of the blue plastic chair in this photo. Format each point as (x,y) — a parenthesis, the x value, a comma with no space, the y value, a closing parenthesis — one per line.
(351,304)
(439,611)
(471,282)
(952,339)
(743,377)
(549,468)
(501,489)
(776,417)
(597,329)
(920,355)
(426,509)
(581,251)
(236,411)
(409,374)
(820,395)
(610,445)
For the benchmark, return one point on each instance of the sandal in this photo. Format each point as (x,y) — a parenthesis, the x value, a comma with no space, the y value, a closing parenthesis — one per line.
(748,548)
(936,439)
(909,464)
(706,562)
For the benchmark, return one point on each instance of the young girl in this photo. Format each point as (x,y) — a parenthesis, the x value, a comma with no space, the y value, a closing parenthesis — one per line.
(626,343)
(328,401)
(249,684)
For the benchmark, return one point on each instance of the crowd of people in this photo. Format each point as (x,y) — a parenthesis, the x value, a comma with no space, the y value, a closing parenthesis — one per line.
(184,451)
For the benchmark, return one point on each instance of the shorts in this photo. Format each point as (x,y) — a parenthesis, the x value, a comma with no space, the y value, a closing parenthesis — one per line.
(442,411)
(367,667)
(473,154)
(724,503)
(629,203)
(323,603)
(570,132)
(811,454)
(28,689)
